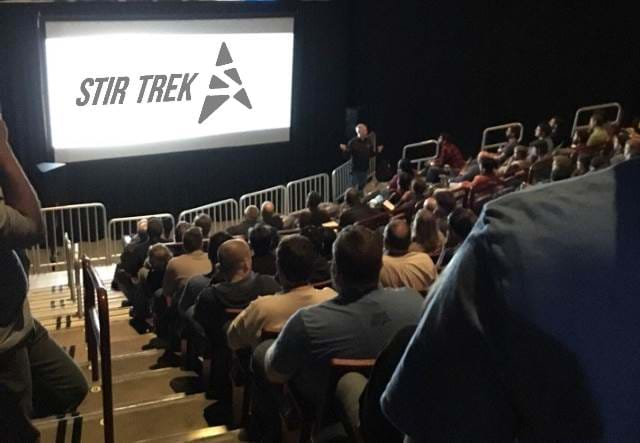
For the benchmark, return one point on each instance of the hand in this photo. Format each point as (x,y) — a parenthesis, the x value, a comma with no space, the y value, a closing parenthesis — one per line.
(343,147)
(380,148)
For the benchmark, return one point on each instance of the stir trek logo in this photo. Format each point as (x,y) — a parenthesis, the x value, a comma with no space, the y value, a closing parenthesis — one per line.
(169,88)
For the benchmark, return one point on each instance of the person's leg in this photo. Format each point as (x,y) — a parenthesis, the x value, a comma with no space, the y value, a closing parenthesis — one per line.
(348,392)
(359,179)
(265,417)
(15,397)
(58,383)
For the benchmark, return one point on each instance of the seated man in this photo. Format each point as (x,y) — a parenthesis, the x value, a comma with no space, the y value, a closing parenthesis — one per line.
(261,240)
(203,221)
(356,324)
(150,279)
(269,216)
(401,268)
(354,210)
(461,221)
(487,177)
(179,270)
(251,214)
(448,155)
(404,165)
(296,257)
(240,287)
(198,283)
(561,169)
(318,215)
(149,232)
(425,235)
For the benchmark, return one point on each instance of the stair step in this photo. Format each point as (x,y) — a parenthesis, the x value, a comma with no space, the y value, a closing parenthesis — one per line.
(145,386)
(128,363)
(150,421)
(217,434)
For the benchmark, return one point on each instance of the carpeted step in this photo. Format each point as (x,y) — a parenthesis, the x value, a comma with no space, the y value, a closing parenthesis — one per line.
(150,421)
(129,363)
(145,386)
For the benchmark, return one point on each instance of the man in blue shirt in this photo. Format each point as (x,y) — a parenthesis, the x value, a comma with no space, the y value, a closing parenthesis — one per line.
(532,332)
(355,325)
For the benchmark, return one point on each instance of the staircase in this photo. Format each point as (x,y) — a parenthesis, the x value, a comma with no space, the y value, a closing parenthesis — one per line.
(153,402)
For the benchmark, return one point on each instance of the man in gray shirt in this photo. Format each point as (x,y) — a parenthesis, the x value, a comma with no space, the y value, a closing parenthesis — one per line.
(356,324)
(37,378)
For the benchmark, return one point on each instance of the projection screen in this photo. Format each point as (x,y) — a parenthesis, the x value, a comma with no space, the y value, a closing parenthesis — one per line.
(126,88)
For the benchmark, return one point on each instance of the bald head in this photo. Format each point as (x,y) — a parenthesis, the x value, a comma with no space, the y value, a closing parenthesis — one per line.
(267,209)
(251,213)
(362,130)
(234,258)
(397,237)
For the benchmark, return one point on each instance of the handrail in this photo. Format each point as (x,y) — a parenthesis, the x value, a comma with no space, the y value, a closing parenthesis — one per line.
(86,224)
(484,146)
(340,180)
(130,223)
(68,253)
(98,334)
(223,214)
(275,194)
(298,190)
(419,162)
(592,109)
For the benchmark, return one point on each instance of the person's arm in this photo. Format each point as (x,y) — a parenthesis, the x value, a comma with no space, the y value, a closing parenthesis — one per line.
(20,216)
(246,328)
(286,356)
(447,377)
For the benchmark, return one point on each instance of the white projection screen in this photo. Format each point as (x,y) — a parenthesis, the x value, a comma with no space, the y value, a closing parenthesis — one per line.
(127,88)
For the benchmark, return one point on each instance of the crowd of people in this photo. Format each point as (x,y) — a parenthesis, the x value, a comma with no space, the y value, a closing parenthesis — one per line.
(286,295)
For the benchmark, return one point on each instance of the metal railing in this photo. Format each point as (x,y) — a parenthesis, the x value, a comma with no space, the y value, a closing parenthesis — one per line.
(85,224)
(484,146)
(98,337)
(297,190)
(119,227)
(340,180)
(276,195)
(372,160)
(590,110)
(417,152)
(223,214)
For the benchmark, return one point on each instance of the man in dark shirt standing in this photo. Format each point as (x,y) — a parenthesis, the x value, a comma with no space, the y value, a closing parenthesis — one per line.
(360,149)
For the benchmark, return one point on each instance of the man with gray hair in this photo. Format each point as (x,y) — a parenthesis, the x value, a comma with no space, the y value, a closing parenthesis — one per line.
(251,215)
(359,149)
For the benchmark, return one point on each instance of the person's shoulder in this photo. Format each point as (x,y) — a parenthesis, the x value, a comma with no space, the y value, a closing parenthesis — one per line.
(394,292)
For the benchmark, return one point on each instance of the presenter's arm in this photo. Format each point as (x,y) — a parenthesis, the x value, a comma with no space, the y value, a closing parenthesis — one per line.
(21,219)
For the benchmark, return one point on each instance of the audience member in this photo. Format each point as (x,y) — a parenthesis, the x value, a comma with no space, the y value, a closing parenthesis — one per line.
(425,235)
(356,324)
(561,169)
(167,230)
(512,289)
(400,267)
(404,165)
(619,141)
(487,179)
(37,377)
(598,162)
(296,257)
(269,216)
(261,240)
(632,149)
(134,255)
(448,155)
(445,203)
(461,221)
(150,278)
(354,210)
(515,164)
(558,133)
(506,151)
(404,188)
(543,134)
(598,134)
(198,283)
(203,221)
(322,240)
(251,215)
(582,165)
(318,215)
(180,269)
(241,287)
(181,228)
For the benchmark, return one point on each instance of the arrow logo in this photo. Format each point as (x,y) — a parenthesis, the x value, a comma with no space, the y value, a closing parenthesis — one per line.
(213,102)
